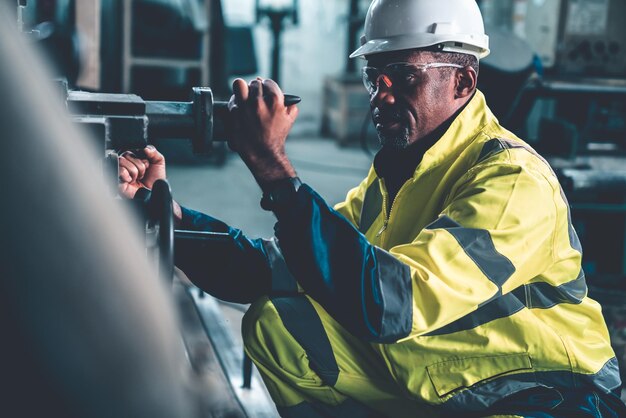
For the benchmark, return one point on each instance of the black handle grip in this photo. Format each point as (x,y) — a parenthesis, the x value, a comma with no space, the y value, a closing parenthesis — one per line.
(291,99)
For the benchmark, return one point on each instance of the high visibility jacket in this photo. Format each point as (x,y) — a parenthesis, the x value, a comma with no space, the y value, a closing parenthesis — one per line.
(469,284)
(499,299)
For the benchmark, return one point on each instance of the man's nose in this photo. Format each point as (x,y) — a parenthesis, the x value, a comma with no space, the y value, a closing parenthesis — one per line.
(384,93)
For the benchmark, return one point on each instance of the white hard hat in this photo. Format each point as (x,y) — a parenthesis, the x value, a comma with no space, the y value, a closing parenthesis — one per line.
(395,25)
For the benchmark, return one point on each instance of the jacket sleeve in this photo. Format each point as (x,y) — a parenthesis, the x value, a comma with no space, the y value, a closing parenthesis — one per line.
(491,237)
(226,265)
(336,265)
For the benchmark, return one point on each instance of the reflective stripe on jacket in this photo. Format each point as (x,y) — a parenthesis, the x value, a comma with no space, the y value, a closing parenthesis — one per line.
(498,297)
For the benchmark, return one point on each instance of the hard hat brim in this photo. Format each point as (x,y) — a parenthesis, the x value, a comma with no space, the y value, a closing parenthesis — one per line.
(466,44)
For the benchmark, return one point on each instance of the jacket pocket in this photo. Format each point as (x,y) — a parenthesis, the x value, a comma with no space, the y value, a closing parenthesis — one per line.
(449,376)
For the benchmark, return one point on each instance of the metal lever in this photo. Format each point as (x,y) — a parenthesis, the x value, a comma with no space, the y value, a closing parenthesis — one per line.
(128,121)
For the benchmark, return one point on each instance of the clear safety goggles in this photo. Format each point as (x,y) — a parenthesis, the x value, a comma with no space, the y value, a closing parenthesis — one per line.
(398,74)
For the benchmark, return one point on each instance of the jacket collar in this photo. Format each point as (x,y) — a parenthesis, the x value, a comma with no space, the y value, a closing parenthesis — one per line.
(462,131)
(446,142)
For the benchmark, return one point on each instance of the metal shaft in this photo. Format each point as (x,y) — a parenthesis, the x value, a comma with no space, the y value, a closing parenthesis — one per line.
(176,119)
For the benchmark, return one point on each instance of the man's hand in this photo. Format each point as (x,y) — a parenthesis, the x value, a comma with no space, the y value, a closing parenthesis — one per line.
(135,173)
(260,125)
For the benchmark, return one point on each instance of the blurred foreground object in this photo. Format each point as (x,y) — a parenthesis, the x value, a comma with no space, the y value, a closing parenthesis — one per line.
(88,329)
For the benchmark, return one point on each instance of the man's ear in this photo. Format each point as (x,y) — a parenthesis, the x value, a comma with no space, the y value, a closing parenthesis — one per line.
(466,80)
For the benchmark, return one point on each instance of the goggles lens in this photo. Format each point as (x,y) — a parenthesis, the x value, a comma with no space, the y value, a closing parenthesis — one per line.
(401,75)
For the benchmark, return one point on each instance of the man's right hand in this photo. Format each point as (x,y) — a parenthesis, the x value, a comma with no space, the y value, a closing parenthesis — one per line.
(135,173)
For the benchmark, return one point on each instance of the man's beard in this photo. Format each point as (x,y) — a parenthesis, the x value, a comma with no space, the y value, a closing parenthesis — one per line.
(396,141)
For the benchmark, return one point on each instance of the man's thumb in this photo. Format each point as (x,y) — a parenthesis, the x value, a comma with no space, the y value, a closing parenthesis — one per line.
(153,155)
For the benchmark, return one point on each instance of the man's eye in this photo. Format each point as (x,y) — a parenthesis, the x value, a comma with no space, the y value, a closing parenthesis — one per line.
(409,77)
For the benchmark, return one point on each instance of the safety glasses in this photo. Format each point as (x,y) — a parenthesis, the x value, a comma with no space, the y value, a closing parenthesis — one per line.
(398,74)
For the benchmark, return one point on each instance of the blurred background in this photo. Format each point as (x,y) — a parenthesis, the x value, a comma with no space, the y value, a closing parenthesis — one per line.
(556,77)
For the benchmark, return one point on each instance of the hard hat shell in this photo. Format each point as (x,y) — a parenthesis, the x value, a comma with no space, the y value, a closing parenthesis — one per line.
(395,25)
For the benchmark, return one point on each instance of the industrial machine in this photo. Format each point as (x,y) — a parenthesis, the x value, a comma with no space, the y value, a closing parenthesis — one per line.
(126,122)
(571,37)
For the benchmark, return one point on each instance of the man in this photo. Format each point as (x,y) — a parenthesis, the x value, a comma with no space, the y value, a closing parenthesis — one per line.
(449,282)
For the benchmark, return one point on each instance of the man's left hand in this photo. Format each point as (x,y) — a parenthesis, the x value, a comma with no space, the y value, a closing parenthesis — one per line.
(135,173)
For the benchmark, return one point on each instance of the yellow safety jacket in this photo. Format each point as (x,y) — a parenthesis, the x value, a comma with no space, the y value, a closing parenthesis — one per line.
(499,299)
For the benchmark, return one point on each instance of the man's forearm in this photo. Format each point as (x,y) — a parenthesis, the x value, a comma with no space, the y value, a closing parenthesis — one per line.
(232,268)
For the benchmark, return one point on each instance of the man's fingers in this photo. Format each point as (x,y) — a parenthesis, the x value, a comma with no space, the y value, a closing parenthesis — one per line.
(256,91)
(140,164)
(124,175)
(273,93)
(130,167)
(240,91)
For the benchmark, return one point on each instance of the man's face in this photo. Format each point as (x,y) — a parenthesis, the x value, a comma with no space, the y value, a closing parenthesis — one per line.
(405,115)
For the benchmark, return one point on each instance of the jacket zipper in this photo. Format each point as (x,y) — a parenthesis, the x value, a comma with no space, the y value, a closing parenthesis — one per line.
(386,221)
(382,229)
(388,215)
